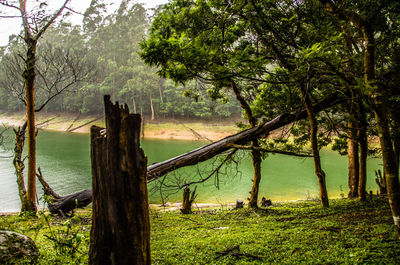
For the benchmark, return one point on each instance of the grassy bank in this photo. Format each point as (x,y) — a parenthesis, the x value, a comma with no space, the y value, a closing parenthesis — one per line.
(349,232)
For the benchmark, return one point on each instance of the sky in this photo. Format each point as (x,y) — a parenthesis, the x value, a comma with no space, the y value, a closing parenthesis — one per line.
(9,26)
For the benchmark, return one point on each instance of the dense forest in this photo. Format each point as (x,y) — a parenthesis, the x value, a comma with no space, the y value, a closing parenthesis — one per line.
(81,63)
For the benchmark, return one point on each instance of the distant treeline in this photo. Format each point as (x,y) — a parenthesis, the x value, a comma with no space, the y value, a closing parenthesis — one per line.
(77,65)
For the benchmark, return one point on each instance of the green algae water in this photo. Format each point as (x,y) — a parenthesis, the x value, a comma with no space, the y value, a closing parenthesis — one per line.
(65,162)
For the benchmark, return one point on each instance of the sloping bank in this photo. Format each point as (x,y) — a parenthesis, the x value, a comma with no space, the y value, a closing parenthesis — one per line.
(159,129)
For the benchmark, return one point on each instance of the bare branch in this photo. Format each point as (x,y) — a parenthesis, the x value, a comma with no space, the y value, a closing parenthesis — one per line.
(44,28)
(275,151)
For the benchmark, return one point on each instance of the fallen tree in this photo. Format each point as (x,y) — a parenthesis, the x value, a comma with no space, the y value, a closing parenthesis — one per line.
(206,152)
(62,205)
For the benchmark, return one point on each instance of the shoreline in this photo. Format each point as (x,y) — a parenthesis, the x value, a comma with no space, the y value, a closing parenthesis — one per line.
(170,206)
(158,129)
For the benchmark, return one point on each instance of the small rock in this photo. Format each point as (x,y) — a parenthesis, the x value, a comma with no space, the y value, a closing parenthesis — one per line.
(15,246)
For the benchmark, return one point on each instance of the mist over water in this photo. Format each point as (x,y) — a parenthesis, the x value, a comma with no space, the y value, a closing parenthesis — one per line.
(65,162)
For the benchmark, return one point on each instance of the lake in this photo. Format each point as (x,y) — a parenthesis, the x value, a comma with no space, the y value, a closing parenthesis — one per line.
(65,162)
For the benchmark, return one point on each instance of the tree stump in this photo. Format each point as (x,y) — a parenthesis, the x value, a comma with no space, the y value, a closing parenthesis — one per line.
(239,204)
(121,228)
(188,199)
(265,202)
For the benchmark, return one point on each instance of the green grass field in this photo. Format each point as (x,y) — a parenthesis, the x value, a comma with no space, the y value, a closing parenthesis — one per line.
(349,232)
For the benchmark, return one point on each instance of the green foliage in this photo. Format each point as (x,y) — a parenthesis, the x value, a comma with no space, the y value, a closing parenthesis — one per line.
(349,232)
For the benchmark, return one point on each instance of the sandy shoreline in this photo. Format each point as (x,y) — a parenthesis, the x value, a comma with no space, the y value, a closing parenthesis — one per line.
(153,130)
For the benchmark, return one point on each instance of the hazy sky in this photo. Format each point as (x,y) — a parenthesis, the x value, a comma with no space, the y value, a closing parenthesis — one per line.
(10,26)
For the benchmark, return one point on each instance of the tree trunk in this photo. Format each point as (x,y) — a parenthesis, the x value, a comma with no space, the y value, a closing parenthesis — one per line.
(352,154)
(363,141)
(255,154)
(314,147)
(390,165)
(29,76)
(121,228)
(20,166)
(396,133)
(134,104)
(256,159)
(160,84)
(152,108)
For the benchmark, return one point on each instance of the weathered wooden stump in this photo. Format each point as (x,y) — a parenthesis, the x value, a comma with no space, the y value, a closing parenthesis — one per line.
(188,199)
(121,228)
(265,202)
(239,204)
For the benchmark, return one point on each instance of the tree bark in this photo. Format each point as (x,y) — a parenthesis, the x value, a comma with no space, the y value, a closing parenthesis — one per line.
(121,228)
(29,76)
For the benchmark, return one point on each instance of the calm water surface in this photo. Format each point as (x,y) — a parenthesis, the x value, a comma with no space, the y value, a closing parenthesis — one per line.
(65,162)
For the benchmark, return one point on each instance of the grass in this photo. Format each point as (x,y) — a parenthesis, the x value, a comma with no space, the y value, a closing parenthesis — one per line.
(349,232)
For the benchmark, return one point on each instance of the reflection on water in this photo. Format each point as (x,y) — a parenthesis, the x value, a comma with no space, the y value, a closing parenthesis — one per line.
(65,162)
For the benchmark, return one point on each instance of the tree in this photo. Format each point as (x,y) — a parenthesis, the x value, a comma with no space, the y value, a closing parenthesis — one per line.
(243,46)
(375,21)
(34,25)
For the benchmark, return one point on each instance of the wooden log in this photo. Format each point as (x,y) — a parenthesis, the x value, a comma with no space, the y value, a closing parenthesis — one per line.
(62,205)
(68,203)
(121,228)
(206,152)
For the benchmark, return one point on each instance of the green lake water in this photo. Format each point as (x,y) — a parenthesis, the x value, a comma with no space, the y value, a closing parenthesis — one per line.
(65,162)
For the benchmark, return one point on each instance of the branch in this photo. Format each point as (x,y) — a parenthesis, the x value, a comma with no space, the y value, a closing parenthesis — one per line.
(42,30)
(7,4)
(256,148)
(213,172)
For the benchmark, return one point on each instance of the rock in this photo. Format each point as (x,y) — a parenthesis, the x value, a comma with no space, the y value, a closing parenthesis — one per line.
(15,247)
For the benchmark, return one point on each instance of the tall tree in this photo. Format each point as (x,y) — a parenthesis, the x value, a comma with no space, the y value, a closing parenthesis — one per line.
(372,19)
(34,25)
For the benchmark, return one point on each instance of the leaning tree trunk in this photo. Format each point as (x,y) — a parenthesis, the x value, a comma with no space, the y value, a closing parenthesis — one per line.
(314,147)
(121,228)
(206,152)
(29,76)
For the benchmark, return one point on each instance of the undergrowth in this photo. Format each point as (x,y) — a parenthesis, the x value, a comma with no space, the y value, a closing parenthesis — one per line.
(349,232)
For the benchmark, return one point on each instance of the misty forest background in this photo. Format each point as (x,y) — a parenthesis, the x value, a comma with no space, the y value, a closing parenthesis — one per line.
(101,57)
